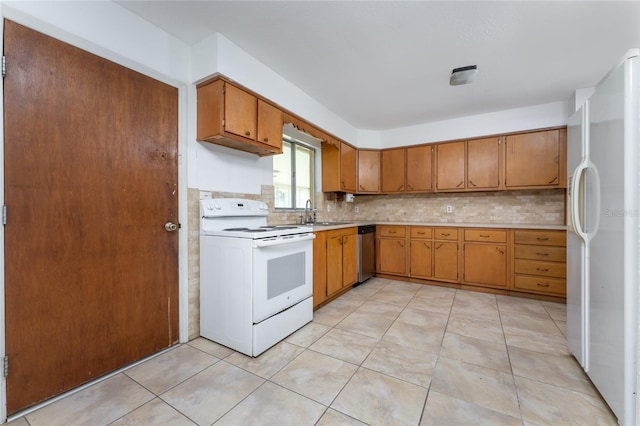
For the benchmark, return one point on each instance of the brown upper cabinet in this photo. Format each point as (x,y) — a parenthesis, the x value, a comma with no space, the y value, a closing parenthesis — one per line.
(483,164)
(536,160)
(450,166)
(368,171)
(338,167)
(419,169)
(393,170)
(230,116)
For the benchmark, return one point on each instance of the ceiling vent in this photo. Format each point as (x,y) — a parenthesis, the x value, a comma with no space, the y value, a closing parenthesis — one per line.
(463,75)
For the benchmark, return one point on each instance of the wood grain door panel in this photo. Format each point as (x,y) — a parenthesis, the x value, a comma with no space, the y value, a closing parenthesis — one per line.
(91,280)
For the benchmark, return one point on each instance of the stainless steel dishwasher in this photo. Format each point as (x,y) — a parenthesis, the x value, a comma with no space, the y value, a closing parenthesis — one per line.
(366,252)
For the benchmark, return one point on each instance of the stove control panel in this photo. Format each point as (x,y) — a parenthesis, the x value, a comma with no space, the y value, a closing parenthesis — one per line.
(217,207)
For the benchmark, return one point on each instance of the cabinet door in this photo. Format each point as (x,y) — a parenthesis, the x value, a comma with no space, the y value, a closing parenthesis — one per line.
(392,256)
(450,172)
(349,259)
(319,268)
(420,266)
(269,125)
(393,170)
(419,168)
(483,163)
(334,264)
(445,260)
(330,168)
(534,159)
(347,168)
(485,264)
(241,112)
(368,171)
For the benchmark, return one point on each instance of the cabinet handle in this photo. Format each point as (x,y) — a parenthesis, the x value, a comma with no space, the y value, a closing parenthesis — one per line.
(266,139)
(542,254)
(458,185)
(471,182)
(247,133)
(362,187)
(553,180)
(421,232)
(400,187)
(438,248)
(542,285)
(401,243)
(410,187)
(542,238)
(542,269)
(427,246)
(499,251)
(392,232)
(484,236)
(445,234)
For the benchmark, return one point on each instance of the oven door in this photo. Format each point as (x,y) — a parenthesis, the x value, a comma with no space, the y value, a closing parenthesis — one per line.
(282,274)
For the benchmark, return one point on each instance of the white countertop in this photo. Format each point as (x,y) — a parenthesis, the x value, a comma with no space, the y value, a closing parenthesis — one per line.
(445,224)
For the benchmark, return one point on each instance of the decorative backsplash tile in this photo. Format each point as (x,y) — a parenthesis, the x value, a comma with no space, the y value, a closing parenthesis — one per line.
(543,207)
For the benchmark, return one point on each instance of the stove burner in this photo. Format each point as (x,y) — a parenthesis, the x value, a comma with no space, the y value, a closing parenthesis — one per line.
(236,229)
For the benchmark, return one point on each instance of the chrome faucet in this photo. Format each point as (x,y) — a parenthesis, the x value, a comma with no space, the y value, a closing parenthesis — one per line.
(307,210)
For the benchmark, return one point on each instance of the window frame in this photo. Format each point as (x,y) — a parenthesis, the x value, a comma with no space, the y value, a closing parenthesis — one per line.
(297,143)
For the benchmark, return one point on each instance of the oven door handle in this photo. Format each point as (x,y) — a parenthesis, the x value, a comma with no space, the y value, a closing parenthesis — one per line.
(283,240)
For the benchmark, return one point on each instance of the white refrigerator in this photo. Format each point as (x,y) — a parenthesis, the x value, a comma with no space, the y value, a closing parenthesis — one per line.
(603,209)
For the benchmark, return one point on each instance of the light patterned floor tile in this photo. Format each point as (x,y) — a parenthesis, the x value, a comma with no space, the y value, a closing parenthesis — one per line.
(307,334)
(528,325)
(544,404)
(521,306)
(558,370)
(409,364)
(379,309)
(443,409)
(156,412)
(269,362)
(96,405)
(345,345)
(375,398)
(438,302)
(543,343)
(483,386)
(365,323)
(477,328)
(392,297)
(557,311)
(212,348)
(414,336)
(332,417)
(330,316)
(207,396)
(475,351)
(167,370)
(316,376)
(273,405)
(426,319)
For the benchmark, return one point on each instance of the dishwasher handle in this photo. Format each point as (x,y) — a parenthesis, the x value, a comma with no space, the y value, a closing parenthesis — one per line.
(366,229)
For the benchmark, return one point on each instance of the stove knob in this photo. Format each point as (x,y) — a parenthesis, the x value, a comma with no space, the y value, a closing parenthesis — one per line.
(263,206)
(217,206)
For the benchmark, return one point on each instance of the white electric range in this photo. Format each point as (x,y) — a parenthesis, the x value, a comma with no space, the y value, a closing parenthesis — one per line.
(256,281)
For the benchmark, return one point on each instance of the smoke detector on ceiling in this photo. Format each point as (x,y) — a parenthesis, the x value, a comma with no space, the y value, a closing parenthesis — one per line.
(463,75)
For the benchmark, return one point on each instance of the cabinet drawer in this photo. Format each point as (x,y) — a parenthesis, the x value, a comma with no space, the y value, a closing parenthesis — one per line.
(421,232)
(548,253)
(488,235)
(392,231)
(547,269)
(543,238)
(540,284)
(445,234)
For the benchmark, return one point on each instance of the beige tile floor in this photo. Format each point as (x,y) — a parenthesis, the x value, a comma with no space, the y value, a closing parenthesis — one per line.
(386,353)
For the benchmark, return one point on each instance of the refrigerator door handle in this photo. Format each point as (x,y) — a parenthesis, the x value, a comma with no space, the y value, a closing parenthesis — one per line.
(575,200)
(596,205)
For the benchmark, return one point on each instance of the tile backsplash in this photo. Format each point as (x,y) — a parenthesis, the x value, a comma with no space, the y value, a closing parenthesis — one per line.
(542,207)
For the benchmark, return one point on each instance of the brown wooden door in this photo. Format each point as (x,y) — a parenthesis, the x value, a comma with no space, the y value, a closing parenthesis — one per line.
(421,255)
(451,166)
(393,170)
(485,264)
(393,256)
(334,263)
(368,171)
(91,280)
(419,168)
(483,163)
(445,260)
(319,268)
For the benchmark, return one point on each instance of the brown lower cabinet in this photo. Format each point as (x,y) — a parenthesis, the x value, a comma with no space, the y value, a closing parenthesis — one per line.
(335,258)
(504,261)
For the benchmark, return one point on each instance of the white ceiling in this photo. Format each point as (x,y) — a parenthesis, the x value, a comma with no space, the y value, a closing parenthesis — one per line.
(386,64)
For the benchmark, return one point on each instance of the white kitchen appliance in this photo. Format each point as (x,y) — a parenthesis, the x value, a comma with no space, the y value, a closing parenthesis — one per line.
(603,208)
(256,281)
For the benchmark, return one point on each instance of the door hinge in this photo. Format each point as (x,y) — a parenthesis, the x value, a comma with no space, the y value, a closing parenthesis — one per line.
(4,214)
(5,361)
(4,66)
